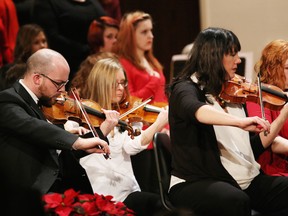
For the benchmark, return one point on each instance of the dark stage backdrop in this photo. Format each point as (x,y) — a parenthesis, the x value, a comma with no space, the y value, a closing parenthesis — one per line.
(176,24)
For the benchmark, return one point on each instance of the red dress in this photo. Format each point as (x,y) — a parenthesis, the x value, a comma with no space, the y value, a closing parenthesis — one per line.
(271,163)
(8,31)
(142,85)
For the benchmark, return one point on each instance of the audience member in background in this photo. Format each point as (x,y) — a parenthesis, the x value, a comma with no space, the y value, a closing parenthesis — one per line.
(30,38)
(8,31)
(29,143)
(66,24)
(273,69)
(80,79)
(134,47)
(24,10)
(107,85)
(9,77)
(102,34)
(112,8)
(214,171)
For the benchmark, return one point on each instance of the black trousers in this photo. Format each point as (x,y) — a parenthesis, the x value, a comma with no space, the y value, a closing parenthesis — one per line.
(266,194)
(144,169)
(269,195)
(145,204)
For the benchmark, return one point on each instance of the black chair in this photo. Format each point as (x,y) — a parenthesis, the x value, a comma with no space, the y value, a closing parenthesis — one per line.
(162,151)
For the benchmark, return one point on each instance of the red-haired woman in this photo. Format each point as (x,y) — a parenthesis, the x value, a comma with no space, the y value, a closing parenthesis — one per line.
(102,34)
(134,47)
(273,68)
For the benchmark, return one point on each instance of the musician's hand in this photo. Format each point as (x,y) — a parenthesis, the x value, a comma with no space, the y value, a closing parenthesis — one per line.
(91,145)
(255,124)
(112,118)
(73,127)
(162,118)
(80,130)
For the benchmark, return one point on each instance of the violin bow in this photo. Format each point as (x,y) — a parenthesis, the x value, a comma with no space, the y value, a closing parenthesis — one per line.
(135,108)
(261,99)
(86,116)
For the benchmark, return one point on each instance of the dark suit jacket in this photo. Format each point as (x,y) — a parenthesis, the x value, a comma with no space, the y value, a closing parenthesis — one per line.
(28,142)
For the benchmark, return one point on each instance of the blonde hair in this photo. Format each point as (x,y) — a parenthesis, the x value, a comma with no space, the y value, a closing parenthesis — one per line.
(126,43)
(80,78)
(271,64)
(102,80)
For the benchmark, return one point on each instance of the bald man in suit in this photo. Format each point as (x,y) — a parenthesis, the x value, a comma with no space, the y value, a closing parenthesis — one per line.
(28,142)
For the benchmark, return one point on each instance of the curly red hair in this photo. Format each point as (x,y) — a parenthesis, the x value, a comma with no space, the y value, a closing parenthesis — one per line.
(271,64)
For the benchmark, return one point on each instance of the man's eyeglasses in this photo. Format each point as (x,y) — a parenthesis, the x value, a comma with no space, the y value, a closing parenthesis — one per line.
(122,83)
(58,85)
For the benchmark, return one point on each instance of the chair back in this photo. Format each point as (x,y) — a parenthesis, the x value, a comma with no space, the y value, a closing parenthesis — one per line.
(162,150)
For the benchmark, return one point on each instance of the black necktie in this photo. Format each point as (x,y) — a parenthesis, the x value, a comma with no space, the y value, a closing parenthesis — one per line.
(39,104)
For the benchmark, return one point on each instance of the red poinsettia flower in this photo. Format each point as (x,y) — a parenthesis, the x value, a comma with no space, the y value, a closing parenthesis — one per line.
(86,197)
(76,204)
(69,197)
(52,200)
(90,208)
(63,210)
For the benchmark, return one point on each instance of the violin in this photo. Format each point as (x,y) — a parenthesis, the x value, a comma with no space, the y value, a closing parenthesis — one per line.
(237,90)
(136,110)
(66,108)
(130,109)
(152,110)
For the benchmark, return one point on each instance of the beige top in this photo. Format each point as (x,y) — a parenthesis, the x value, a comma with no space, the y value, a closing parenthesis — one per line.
(236,152)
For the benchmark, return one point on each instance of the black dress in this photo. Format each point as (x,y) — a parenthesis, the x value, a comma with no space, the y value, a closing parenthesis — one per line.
(66,23)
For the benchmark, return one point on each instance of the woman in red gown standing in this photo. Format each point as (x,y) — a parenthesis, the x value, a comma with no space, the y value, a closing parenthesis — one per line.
(135,49)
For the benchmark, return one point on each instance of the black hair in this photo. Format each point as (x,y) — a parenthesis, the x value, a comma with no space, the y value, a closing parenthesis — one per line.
(206,58)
